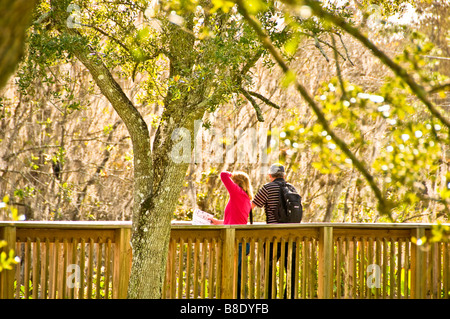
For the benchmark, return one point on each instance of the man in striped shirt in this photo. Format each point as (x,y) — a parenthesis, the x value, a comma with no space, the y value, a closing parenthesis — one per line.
(268,196)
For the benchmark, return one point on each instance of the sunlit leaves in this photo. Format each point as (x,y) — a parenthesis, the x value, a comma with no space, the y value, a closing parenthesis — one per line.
(384,129)
(223,5)
(9,211)
(8,259)
(440,233)
(255,6)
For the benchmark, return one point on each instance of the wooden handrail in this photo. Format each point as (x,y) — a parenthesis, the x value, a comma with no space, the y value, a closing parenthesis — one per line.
(308,260)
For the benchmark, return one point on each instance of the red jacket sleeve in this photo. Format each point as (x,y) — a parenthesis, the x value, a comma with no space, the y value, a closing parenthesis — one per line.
(231,186)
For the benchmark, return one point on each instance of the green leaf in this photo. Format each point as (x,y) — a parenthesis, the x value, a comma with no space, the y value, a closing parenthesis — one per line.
(288,79)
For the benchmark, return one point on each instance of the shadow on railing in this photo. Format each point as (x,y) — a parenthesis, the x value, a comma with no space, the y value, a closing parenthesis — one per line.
(317,260)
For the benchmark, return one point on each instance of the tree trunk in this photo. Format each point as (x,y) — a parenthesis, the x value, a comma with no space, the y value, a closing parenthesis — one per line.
(15,18)
(158,177)
(152,224)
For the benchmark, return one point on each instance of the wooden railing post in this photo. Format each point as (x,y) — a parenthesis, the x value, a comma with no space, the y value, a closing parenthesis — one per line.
(122,263)
(325,276)
(7,233)
(418,271)
(228,238)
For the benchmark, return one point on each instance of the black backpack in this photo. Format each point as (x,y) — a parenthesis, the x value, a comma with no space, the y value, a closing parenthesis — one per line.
(289,209)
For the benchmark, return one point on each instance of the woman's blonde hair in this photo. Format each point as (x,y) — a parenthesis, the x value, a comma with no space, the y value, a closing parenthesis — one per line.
(242,179)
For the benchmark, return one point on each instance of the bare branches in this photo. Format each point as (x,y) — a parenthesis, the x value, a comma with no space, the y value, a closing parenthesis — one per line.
(417,89)
(249,96)
(319,47)
(264,99)
(384,206)
(254,104)
(439,88)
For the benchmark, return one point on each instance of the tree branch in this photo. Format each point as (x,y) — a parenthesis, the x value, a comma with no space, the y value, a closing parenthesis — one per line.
(345,47)
(109,87)
(264,99)
(319,47)
(417,89)
(384,206)
(108,36)
(439,88)
(255,105)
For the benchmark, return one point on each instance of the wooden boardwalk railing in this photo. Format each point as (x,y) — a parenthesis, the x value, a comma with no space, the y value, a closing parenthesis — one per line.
(62,260)
(92,260)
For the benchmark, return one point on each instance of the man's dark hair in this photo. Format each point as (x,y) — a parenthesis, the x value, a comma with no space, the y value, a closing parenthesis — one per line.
(278,175)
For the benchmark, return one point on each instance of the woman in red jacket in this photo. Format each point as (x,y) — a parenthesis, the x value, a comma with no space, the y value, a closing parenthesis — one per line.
(237,209)
(241,194)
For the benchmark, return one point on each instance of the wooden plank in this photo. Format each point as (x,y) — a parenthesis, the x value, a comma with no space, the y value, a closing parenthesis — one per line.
(107,267)
(392,269)
(313,269)
(339,255)
(252,269)
(267,260)
(36,266)
(399,268)
(47,269)
(407,268)
(259,268)
(211,268)
(289,271)
(122,262)
(64,272)
(100,235)
(27,263)
(418,267)
(371,232)
(325,275)
(297,266)
(228,252)
(280,232)
(8,234)
(446,269)
(281,268)
(369,262)
(188,268)
(203,253)
(219,267)
(98,276)
(172,268)
(82,268)
(273,262)
(18,271)
(203,234)
(378,262)
(74,262)
(180,268)
(385,268)
(363,269)
(244,268)
(305,267)
(90,276)
(354,261)
(56,271)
